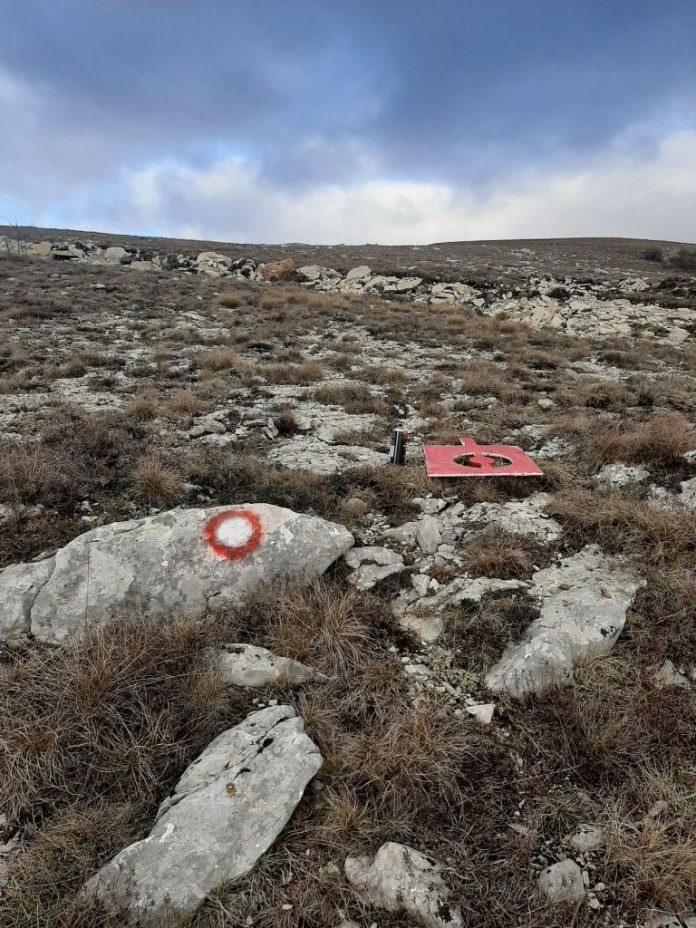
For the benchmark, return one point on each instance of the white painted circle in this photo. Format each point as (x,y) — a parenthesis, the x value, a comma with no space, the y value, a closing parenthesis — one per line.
(234,532)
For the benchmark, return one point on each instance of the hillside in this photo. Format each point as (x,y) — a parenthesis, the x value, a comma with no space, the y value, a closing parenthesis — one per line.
(253,674)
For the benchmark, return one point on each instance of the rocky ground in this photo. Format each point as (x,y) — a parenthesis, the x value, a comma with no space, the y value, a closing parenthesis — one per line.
(475,697)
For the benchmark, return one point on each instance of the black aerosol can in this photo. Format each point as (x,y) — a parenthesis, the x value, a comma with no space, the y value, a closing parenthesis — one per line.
(397,447)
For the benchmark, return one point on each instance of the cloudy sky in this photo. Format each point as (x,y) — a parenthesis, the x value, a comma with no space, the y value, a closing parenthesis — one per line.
(350,120)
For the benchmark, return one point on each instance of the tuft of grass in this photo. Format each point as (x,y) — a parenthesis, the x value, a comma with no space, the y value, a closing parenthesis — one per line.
(154,483)
(498,554)
(662,439)
(143,407)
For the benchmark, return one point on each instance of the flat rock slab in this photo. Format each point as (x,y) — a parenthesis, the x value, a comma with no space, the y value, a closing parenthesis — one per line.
(372,564)
(519,517)
(226,811)
(163,565)
(319,457)
(584,600)
(402,879)
(249,666)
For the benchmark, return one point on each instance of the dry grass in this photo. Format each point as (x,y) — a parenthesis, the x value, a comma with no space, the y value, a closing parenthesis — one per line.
(92,736)
(143,407)
(662,439)
(154,483)
(498,554)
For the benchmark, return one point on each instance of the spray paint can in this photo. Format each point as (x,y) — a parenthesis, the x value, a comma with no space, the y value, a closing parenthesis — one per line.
(397,447)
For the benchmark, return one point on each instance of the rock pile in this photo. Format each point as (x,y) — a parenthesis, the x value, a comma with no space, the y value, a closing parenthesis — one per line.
(577,307)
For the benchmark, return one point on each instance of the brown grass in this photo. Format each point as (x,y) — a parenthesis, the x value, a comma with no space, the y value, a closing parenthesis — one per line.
(662,439)
(154,483)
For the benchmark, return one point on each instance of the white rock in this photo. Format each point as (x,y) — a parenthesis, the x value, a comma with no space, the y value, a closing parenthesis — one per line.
(249,666)
(668,675)
(372,564)
(621,475)
(519,517)
(19,586)
(562,883)
(162,565)
(584,600)
(482,712)
(226,811)
(402,879)
(359,273)
(687,497)
(308,453)
(587,838)
(428,535)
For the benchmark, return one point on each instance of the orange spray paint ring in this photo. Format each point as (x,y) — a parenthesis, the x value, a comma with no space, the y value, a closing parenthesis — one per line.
(233,534)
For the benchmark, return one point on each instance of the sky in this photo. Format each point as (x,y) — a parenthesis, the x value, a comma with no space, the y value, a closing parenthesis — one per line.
(330,121)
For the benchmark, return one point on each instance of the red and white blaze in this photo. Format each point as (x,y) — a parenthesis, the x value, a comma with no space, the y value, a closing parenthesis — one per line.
(233,534)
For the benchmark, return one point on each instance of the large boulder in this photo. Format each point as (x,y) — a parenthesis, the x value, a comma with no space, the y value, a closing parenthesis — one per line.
(186,561)
(226,811)
(212,263)
(280,270)
(401,879)
(584,600)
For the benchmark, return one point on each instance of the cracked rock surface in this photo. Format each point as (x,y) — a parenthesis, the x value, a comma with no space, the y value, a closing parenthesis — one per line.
(584,600)
(400,878)
(226,811)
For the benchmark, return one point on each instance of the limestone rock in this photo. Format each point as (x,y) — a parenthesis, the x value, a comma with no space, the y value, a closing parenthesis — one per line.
(428,535)
(363,272)
(562,883)
(372,564)
(19,587)
(249,666)
(402,879)
(668,675)
(404,285)
(280,270)
(212,263)
(226,811)
(584,600)
(687,497)
(318,457)
(162,564)
(621,475)
(519,517)
(587,838)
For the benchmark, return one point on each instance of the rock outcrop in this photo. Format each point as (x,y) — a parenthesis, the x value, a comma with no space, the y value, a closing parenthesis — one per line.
(226,811)
(186,561)
(584,600)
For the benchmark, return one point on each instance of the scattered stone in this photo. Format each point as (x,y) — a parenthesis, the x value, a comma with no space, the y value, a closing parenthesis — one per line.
(226,811)
(161,565)
(668,675)
(402,879)
(562,883)
(246,665)
(584,600)
(482,712)
(615,476)
(687,497)
(428,535)
(372,564)
(587,838)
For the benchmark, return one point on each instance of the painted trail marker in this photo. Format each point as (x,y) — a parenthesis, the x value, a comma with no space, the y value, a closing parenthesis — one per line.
(233,534)
(469,459)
